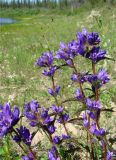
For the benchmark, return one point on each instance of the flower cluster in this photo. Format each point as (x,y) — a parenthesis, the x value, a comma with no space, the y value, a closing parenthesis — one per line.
(45,118)
(8,118)
(46,60)
(23,134)
(48,118)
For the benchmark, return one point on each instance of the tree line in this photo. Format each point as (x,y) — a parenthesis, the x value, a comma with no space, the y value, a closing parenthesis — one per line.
(48,3)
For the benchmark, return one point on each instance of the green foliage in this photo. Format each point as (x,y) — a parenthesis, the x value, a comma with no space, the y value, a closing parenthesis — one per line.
(5,150)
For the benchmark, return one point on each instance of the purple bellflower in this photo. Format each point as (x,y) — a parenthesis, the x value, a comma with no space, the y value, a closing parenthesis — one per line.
(45,60)
(109,155)
(65,136)
(63,118)
(93,38)
(85,121)
(62,53)
(95,105)
(49,124)
(48,120)
(8,118)
(80,78)
(51,128)
(44,113)
(91,114)
(98,132)
(82,37)
(30,112)
(78,94)
(103,76)
(49,72)
(66,52)
(56,139)
(73,47)
(82,42)
(96,54)
(99,79)
(56,109)
(23,135)
(54,92)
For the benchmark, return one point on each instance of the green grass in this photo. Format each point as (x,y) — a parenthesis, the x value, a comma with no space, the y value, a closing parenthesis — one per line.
(35,32)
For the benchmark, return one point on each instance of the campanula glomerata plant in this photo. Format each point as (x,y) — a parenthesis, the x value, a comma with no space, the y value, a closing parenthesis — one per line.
(64,146)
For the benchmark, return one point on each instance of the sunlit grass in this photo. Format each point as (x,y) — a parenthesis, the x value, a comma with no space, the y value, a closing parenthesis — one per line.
(36,32)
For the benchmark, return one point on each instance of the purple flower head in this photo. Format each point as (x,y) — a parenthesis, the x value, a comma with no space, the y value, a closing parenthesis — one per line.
(93,128)
(29,156)
(50,72)
(82,42)
(109,155)
(74,77)
(81,50)
(102,132)
(56,109)
(91,114)
(48,120)
(45,60)
(98,132)
(17,138)
(89,103)
(93,38)
(73,47)
(30,110)
(44,113)
(82,37)
(96,54)
(52,154)
(63,118)
(98,80)
(51,129)
(56,139)
(95,105)
(54,92)
(62,52)
(65,136)
(33,124)
(66,52)
(31,106)
(34,105)
(93,79)
(78,95)
(85,121)
(63,46)
(8,118)
(24,135)
(80,78)
(69,62)
(103,76)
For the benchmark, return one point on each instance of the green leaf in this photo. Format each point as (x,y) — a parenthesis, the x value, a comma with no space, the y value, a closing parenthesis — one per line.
(1,151)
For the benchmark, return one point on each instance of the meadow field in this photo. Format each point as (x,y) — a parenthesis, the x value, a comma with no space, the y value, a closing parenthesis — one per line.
(37,31)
